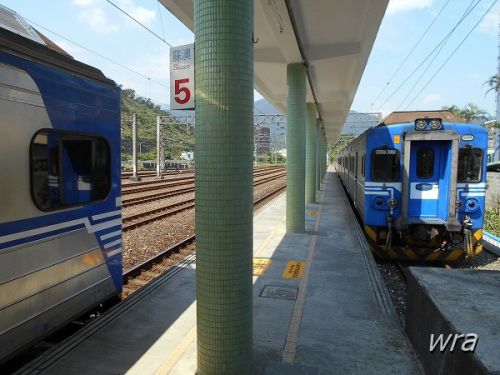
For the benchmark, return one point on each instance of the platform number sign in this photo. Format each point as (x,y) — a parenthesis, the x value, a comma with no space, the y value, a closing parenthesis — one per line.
(182,77)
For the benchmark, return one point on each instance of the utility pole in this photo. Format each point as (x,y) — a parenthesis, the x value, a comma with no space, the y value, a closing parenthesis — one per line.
(496,131)
(158,134)
(135,176)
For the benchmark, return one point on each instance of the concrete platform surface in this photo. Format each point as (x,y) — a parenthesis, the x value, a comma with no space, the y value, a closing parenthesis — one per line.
(320,307)
(450,302)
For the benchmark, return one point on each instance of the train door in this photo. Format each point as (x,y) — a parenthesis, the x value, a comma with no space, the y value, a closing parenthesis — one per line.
(429,181)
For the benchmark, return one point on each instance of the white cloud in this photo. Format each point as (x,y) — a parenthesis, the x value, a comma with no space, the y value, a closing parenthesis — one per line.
(141,14)
(432,99)
(97,20)
(396,6)
(84,2)
(489,24)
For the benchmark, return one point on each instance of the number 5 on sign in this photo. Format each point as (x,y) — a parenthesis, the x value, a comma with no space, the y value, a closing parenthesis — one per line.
(182,77)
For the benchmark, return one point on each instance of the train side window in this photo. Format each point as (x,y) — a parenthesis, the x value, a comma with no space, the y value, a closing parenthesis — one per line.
(385,165)
(425,162)
(68,169)
(356,166)
(470,162)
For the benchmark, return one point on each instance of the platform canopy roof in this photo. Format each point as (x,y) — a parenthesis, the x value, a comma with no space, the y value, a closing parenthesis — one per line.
(332,37)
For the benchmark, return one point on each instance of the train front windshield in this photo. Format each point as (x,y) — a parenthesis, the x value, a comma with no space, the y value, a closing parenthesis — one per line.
(470,161)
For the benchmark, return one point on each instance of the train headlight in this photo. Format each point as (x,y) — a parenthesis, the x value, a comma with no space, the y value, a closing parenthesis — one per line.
(420,124)
(471,205)
(392,202)
(436,124)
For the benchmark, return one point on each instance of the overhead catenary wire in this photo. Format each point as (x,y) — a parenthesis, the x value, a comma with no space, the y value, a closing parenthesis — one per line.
(161,19)
(139,23)
(409,53)
(466,13)
(97,54)
(418,80)
(452,53)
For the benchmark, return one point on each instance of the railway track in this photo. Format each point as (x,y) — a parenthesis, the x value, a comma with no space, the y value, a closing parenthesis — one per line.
(143,273)
(155,196)
(142,218)
(140,187)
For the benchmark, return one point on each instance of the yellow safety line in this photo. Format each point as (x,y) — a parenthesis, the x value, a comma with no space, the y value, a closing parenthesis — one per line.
(298,309)
(268,238)
(171,361)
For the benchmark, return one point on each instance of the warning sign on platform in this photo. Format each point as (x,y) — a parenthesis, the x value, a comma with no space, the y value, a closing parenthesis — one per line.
(294,269)
(182,77)
(260,265)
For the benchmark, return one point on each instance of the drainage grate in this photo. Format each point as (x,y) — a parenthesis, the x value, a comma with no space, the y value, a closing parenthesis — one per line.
(279,292)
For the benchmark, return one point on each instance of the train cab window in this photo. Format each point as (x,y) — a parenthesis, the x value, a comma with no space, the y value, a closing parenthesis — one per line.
(68,169)
(470,161)
(385,165)
(425,162)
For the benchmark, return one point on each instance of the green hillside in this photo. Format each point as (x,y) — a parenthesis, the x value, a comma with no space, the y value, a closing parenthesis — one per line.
(179,137)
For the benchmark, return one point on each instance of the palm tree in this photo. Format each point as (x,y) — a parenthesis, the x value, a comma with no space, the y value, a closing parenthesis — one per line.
(493,83)
(470,112)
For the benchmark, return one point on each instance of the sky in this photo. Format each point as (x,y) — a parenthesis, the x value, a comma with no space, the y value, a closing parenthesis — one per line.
(143,59)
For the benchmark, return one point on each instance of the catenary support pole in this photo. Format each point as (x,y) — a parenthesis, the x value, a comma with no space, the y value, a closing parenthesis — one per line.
(224,147)
(310,192)
(135,176)
(158,152)
(318,154)
(295,154)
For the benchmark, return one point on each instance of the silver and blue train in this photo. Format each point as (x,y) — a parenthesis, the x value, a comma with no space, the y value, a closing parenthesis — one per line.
(419,187)
(60,200)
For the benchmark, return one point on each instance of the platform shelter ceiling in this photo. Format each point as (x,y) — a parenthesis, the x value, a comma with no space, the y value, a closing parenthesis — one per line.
(333,37)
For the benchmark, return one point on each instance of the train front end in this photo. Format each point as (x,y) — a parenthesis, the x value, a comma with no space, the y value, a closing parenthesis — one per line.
(433,208)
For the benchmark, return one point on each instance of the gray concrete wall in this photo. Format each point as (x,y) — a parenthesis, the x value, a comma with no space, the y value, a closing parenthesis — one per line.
(493,188)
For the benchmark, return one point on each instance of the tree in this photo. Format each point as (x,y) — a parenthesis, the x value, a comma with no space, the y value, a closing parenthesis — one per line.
(493,83)
(470,112)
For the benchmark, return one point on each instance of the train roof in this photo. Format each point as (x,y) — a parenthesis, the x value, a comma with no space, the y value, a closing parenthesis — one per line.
(19,37)
(410,116)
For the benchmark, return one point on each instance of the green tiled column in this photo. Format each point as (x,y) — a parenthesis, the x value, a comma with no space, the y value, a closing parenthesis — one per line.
(310,154)
(323,157)
(318,154)
(296,148)
(224,147)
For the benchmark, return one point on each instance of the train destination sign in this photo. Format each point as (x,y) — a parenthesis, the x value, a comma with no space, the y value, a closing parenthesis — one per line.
(182,77)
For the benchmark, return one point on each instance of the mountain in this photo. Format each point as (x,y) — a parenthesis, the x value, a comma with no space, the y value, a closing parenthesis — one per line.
(178,136)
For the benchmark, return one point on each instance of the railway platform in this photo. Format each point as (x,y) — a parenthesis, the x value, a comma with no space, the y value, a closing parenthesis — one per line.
(467,319)
(320,307)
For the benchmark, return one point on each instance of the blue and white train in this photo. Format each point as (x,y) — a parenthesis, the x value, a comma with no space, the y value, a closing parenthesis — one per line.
(419,187)
(60,204)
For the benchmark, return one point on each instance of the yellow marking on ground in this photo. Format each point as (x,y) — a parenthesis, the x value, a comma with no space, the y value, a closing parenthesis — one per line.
(170,362)
(298,309)
(260,265)
(312,213)
(268,238)
(294,270)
